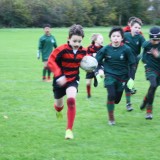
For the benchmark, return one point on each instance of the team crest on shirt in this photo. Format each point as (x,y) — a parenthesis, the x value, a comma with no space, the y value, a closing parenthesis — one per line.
(52,40)
(137,43)
(121,57)
(123,84)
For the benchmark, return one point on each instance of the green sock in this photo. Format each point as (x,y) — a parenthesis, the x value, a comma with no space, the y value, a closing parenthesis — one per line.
(44,72)
(128,97)
(110,107)
(49,73)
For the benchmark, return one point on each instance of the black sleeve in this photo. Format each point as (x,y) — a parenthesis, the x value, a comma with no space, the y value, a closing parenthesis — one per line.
(132,71)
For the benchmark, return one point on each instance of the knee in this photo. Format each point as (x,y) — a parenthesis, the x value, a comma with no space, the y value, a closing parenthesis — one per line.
(154,85)
(71,102)
(111,97)
(117,101)
(153,82)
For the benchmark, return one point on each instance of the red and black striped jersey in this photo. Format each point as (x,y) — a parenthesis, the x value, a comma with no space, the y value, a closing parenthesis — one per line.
(63,61)
(127,29)
(93,49)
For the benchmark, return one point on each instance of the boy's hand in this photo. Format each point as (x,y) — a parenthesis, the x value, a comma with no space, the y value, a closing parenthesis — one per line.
(155,52)
(38,55)
(61,81)
(130,83)
(101,73)
(94,54)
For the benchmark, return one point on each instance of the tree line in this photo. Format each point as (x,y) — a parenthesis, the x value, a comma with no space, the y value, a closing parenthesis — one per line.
(89,13)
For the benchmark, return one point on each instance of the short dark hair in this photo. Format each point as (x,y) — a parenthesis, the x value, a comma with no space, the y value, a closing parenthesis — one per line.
(46,25)
(136,20)
(131,18)
(115,29)
(76,29)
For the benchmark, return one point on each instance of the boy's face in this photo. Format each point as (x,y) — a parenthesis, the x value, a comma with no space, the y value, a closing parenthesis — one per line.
(116,38)
(75,41)
(47,30)
(154,42)
(99,40)
(135,29)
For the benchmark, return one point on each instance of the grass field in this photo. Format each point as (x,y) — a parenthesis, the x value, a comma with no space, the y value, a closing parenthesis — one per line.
(29,129)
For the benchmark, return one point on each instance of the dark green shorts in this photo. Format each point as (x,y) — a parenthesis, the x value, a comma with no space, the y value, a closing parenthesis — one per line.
(118,82)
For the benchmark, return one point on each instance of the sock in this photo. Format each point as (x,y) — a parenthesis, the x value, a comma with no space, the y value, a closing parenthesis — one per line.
(111,115)
(145,100)
(128,97)
(44,77)
(49,73)
(110,107)
(149,108)
(88,89)
(58,109)
(71,112)
(44,72)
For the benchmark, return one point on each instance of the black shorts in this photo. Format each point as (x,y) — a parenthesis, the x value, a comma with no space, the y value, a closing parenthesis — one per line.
(59,92)
(90,75)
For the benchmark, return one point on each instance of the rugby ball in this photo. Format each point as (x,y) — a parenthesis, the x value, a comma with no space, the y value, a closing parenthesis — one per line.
(88,63)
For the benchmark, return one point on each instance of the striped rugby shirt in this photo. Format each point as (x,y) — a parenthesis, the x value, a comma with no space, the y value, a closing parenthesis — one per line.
(63,61)
(93,49)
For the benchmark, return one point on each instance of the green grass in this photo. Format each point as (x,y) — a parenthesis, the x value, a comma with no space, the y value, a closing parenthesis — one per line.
(29,129)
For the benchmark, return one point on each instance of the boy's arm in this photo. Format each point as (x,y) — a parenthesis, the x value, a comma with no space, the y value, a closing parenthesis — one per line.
(55,42)
(52,64)
(155,52)
(39,49)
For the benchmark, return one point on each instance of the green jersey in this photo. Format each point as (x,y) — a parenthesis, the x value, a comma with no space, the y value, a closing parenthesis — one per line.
(46,44)
(134,42)
(151,62)
(116,60)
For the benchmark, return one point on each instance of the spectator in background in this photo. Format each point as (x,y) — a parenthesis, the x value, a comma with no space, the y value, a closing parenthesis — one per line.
(45,47)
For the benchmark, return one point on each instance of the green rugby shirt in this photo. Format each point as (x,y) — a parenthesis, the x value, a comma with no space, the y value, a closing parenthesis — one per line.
(116,60)
(148,58)
(134,42)
(46,44)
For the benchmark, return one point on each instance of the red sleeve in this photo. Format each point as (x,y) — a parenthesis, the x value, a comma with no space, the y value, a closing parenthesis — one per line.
(127,29)
(52,63)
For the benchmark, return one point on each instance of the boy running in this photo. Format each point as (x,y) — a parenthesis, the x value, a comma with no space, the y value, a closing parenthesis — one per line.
(64,62)
(134,40)
(118,62)
(151,56)
(96,45)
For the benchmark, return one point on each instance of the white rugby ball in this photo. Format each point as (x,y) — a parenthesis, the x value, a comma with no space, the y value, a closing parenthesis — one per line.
(88,63)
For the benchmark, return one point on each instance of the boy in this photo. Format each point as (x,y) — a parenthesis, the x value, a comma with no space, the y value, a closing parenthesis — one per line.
(128,29)
(46,44)
(134,40)
(64,62)
(151,56)
(118,62)
(96,45)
